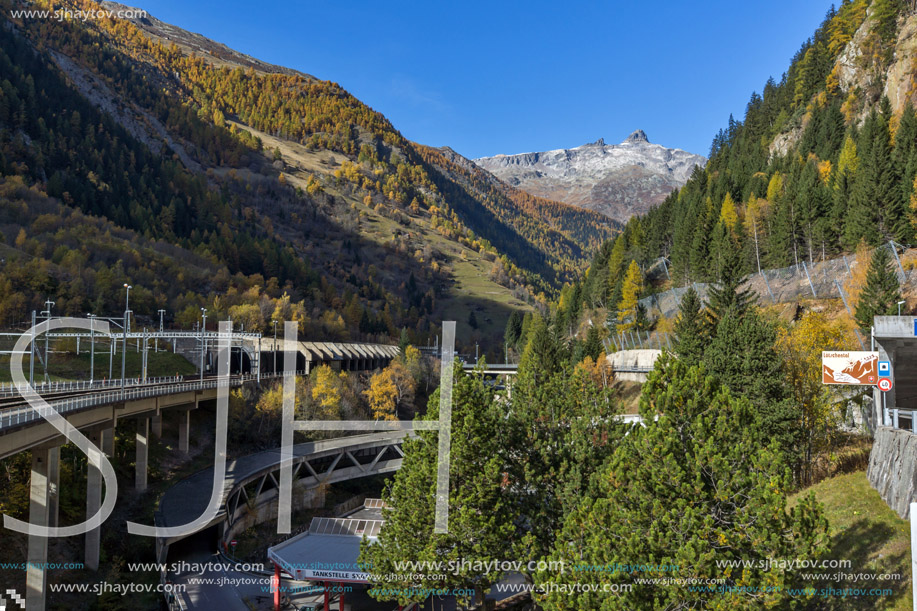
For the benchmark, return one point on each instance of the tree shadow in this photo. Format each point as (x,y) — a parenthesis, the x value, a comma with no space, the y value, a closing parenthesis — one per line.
(845,588)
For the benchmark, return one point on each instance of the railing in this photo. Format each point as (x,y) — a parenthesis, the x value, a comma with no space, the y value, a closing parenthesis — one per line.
(12,389)
(631,369)
(901,418)
(349,505)
(173,602)
(23,415)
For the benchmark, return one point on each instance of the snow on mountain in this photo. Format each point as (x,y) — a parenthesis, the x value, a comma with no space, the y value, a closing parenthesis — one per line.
(618,180)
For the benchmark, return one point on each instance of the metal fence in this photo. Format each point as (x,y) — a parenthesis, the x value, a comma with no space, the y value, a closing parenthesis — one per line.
(819,280)
(637,340)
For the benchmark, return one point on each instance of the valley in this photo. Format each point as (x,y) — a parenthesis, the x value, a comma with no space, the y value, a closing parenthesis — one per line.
(280,350)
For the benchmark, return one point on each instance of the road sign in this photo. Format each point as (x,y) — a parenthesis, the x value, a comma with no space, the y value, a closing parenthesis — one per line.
(885,369)
(849,367)
(233,542)
(885,384)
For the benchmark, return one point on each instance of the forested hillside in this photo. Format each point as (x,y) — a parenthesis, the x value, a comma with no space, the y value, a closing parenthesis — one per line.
(825,157)
(362,230)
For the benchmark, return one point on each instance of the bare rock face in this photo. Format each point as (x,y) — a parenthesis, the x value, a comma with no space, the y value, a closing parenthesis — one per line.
(618,180)
(857,71)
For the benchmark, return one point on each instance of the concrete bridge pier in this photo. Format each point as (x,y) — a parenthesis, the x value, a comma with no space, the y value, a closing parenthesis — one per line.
(53,485)
(156,424)
(104,439)
(45,462)
(184,428)
(143,451)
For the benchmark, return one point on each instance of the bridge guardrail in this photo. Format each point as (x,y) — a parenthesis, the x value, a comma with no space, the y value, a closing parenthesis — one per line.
(11,389)
(22,415)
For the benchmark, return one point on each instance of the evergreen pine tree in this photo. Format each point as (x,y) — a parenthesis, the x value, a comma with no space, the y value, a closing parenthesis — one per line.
(862,218)
(905,157)
(513,328)
(742,355)
(700,243)
(885,178)
(882,291)
(727,295)
(641,318)
(593,346)
(480,518)
(543,354)
(809,207)
(700,486)
(404,340)
(781,240)
(691,330)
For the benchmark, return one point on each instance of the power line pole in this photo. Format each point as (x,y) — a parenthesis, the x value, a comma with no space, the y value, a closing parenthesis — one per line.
(146,351)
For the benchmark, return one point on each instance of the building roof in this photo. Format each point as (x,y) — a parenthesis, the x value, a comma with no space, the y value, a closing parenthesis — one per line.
(329,550)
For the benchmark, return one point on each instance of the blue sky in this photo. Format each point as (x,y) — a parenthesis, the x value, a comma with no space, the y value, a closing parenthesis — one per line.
(511,77)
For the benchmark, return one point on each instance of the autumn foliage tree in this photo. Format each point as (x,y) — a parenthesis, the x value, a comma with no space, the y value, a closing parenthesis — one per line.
(382,395)
(630,294)
(327,390)
(800,346)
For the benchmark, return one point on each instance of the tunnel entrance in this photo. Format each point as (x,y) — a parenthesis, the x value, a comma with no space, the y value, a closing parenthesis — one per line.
(203,543)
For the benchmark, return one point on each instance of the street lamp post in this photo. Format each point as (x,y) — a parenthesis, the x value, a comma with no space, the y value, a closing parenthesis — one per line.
(111,354)
(230,344)
(275,346)
(127,313)
(203,339)
(32,353)
(92,347)
(47,313)
(161,312)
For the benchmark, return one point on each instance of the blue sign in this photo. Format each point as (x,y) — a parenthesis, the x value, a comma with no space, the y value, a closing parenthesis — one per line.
(915,326)
(885,369)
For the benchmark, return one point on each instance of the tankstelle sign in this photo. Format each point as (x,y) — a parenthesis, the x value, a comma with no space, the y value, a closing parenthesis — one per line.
(840,367)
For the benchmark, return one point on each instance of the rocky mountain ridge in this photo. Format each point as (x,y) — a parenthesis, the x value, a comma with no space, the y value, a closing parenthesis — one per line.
(617,180)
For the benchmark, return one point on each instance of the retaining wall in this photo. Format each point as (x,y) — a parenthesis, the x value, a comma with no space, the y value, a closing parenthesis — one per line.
(893,468)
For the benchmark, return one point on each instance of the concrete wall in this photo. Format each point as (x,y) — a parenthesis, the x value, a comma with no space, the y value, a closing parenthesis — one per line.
(629,359)
(893,468)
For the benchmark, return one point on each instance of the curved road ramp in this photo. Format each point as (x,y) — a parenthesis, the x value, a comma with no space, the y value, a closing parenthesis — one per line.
(251,488)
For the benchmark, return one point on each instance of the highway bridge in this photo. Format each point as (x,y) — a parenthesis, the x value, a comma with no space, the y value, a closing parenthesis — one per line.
(250,491)
(95,407)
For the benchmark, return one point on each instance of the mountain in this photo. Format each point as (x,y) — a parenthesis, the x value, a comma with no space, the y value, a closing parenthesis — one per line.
(824,162)
(276,188)
(618,180)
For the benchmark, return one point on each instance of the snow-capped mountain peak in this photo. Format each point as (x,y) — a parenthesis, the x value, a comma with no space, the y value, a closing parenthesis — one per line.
(618,180)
